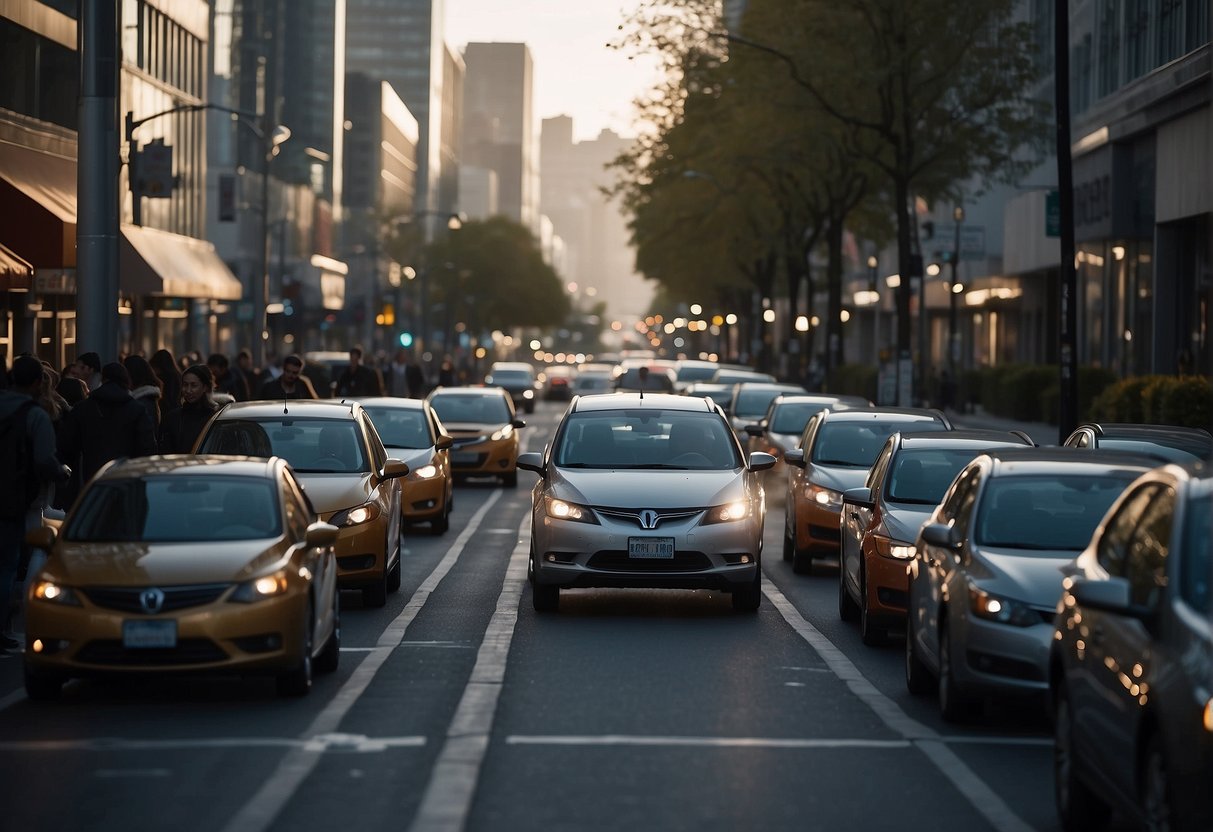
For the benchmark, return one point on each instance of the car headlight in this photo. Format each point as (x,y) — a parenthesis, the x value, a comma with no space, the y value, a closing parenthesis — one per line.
(889,548)
(824,497)
(504,433)
(425,472)
(258,589)
(1000,609)
(55,593)
(356,516)
(528,394)
(562,510)
(728,513)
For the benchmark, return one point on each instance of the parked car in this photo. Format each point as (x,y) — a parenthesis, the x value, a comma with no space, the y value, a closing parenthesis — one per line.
(1131,664)
(185,564)
(1166,442)
(518,379)
(412,431)
(337,454)
(988,564)
(881,518)
(646,492)
(834,454)
(484,426)
(750,400)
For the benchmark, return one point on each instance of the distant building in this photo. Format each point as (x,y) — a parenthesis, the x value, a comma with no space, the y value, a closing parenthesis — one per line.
(451,131)
(477,192)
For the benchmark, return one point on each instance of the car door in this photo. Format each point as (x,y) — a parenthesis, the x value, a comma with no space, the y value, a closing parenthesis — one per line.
(938,563)
(857,521)
(320,562)
(387,491)
(797,476)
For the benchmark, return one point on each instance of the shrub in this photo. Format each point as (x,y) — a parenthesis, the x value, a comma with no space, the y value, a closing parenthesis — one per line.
(1188,401)
(853,380)
(1153,394)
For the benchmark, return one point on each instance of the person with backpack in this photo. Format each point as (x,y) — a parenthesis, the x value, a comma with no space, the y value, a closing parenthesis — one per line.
(27,444)
(108,425)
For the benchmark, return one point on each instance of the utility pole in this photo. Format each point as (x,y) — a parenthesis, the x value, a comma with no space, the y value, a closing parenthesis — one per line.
(97,180)
(1067,417)
(958,214)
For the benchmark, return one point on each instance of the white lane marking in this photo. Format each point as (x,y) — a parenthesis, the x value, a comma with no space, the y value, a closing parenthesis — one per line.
(110,773)
(264,806)
(326,742)
(8,700)
(705,742)
(448,796)
(973,788)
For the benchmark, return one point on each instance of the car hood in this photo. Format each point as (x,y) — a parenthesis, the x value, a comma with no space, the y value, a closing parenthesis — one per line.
(903,522)
(162,564)
(413,457)
(1034,578)
(647,489)
(333,492)
(837,478)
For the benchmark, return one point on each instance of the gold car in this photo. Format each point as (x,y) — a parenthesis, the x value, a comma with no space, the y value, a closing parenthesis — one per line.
(185,564)
(483,424)
(337,455)
(412,431)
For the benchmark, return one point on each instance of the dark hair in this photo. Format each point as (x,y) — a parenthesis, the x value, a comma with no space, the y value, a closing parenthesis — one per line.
(142,374)
(116,373)
(244,354)
(90,359)
(165,365)
(219,360)
(72,389)
(203,373)
(293,359)
(26,370)
(356,351)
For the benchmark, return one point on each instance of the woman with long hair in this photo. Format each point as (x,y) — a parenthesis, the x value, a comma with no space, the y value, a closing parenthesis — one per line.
(181,426)
(165,365)
(146,387)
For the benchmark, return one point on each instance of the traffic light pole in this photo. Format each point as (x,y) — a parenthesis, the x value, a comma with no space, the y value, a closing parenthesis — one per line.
(1067,356)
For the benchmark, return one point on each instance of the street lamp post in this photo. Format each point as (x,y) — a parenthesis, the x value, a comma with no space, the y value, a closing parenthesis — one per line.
(954,289)
(872,264)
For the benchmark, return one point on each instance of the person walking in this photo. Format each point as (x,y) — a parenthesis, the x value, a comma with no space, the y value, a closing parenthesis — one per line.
(253,377)
(227,378)
(416,379)
(108,425)
(396,379)
(146,386)
(291,384)
(27,443)
(357,379)
(180,427)
(87,368)
(165,366)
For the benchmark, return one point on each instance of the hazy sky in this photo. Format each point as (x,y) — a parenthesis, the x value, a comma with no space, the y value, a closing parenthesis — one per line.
(575,73)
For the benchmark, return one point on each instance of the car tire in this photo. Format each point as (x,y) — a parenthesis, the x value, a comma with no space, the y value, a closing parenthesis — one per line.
(749,598)
(871,631)
(375,595)
(442,523)
(802,562)
(1155,783)
(919,680)
(510,480)
(298,680)
(529,407)
(1078,808)
(530,563)
(848,610)
(788,545)
(43,687)
(954,704)
(330,655)
(545,597)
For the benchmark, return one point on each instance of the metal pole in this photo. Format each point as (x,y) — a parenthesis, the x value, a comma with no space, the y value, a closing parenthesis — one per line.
(261,294)
(923,320)
(1067,418)
(959,215)
(97,180)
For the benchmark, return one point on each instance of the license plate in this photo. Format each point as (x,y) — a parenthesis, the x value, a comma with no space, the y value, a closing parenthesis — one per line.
(149,634)
(651,547)
(469,458)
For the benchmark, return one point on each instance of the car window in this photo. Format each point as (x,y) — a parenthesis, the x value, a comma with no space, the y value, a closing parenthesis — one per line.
(792,417)
(694,373)
(1154,449)
(476,409)
(378,452)
(170,509)
(880,466)
(400,428)
(922,476)
(856,444)
(754,402)
(509,377)
(1113,544)
(1041,512)
(960,505)
(313,446)
(1146,565)
(1196,564)
(643,439)
(297,515)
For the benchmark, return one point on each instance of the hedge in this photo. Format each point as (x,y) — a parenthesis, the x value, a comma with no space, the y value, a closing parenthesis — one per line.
(1157,400)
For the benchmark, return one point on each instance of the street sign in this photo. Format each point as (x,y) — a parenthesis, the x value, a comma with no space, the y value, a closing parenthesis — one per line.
(155,170)
(1053,214)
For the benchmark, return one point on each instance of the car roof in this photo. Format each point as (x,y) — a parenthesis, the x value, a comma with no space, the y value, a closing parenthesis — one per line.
(960,439)
(656,401)
(397,402)
(766,385)
(191,465)
(299,408)
(1113,430)
(817,398)
(488,390)
(510,365)
(1061,460)
(872,414)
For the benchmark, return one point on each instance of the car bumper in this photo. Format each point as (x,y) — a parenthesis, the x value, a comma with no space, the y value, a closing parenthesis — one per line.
(888,586)
(423,500)
(1000,659)
(361,552)
(817,528)
(264,636)
(485,459)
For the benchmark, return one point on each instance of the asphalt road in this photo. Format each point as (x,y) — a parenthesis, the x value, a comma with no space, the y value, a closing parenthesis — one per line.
(456,706)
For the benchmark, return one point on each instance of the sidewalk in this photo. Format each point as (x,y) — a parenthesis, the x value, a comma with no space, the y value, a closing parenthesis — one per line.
(1042,433)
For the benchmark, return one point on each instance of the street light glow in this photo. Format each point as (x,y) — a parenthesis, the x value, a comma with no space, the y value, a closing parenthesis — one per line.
(933,270)
(696,309)
(730,319)
(802,323)
(768,315)
(893,281)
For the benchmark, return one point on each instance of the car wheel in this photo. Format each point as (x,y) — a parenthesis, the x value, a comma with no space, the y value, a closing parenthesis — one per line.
(42,687)
(749,598)
(375,595)
(510,480)
(442,523)
(787,545)
(329,656)
(298,681)
(1155,799)
(802,562)
(545,598)
(954,705)
(919,680)
(1078,808)
(871,632)
(848,610)
(530,407)
(393,576)
(530,562)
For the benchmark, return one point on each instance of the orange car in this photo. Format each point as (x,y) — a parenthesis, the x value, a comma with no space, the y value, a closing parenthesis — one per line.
(483,424)
(411,430)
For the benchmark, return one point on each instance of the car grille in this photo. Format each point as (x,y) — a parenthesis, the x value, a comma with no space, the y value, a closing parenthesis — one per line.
(633,516)
(187,651)
(618,561)
(126,599)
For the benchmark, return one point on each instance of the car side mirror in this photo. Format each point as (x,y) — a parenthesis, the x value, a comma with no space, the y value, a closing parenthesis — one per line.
(1109,595)
(795,456)
(940,534)
(320,534)
(444,442)
(531,461)
(861,496)
(518,423)
(43,538)
(761,461)
(754,430)
(394,469)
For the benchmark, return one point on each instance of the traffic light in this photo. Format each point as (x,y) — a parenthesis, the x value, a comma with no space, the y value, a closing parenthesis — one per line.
(406,339)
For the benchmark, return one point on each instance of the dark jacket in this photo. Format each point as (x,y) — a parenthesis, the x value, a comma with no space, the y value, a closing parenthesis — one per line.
(149,397)
(364,381)
(272,389)
(180,427)
(109,424)
(45,468)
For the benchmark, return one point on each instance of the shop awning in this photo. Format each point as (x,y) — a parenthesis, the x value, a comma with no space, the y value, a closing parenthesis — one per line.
(38,203)
(154,262)
(15,273)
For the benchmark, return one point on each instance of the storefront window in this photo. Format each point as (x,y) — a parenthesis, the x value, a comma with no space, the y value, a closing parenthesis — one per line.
(1091,269)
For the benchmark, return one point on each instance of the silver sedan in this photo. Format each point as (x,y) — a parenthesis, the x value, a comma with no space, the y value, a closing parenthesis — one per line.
(646,491)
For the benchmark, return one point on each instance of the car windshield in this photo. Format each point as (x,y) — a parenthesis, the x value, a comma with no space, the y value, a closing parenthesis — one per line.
(311,446)
(485,410)
(657,381)
(754,402)
(1057,512)
(791,418)
(400,428)
(646,439)
(1189,452)
(694,373)
(1196,564)
(922,476)
(176,509)
(857,444)
(510,377)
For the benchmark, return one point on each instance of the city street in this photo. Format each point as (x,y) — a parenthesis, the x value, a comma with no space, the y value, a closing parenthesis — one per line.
(458,706)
